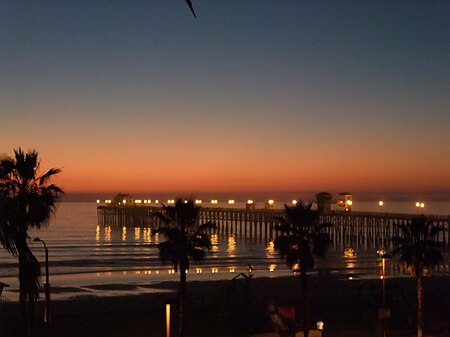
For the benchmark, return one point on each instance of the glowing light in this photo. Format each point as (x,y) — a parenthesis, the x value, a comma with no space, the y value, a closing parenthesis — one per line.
(294,202)
(198,201)
(214,201)
(98,201)
(156,201)
(249,201)
(417,204)
(349,202)
(422,205)
(272,267)
(381,252)
(350,278)
(349,252)
(231,202)
(380,203)
(270,202)
(167,320)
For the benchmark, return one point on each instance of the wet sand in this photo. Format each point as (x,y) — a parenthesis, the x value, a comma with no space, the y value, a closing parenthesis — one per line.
(239,307)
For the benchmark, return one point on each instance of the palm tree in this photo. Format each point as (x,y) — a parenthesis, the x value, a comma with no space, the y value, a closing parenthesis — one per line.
(419,251)
(26,201)
(185,239)
(300,238)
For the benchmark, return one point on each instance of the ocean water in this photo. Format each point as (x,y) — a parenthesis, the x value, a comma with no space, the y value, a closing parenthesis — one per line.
(82,252)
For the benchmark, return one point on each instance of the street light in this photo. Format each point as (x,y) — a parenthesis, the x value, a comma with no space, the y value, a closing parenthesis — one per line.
(46,286)
(383,313)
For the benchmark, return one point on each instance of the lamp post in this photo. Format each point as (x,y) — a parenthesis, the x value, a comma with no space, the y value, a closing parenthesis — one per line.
(46,286)
(384,313)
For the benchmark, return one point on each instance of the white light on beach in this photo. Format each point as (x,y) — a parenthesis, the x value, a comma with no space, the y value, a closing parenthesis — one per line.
(422,205)
(349,202)
(156,201)
(231,202)
(380,203)
(270,202)
(417,204)
(294,202)
(214,202)
(98,201)
(250,201)
(198,201)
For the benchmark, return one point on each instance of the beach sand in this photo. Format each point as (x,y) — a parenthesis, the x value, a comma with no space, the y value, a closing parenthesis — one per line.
(240,307)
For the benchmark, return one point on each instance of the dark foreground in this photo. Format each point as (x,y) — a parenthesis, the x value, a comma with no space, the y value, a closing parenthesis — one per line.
(240,308)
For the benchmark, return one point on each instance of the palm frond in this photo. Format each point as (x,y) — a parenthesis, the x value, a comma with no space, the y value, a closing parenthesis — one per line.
(191,7)
(45,178)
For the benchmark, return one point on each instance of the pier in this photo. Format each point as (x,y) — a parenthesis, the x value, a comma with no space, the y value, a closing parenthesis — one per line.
(361,228)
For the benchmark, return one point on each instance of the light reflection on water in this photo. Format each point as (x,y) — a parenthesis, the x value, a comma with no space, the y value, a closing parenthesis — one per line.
(77,245)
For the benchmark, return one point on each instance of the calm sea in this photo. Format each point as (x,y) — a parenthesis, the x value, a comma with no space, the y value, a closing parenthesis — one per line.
(81,252)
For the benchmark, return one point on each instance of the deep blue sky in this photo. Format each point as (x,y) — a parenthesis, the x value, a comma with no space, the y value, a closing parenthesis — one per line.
(251,95)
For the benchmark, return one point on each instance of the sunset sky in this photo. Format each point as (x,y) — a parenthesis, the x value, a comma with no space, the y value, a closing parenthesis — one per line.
(255,95)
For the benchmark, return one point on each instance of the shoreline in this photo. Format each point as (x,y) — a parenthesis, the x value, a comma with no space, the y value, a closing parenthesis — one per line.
(341,303)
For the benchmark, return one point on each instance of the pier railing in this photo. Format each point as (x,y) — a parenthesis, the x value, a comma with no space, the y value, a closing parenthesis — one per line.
(362,228)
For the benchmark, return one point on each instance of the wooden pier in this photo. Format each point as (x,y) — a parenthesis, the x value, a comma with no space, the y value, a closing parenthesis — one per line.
(362,228)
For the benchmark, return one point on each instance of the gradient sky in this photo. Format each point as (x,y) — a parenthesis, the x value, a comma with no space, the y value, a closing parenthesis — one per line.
(254,95)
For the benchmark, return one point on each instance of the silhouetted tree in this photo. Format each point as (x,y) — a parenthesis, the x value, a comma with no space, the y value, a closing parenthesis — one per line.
(300,238)
(419,251)
(26,201)
(185,239)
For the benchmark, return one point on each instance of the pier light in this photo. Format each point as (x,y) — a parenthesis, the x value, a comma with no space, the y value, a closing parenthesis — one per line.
(420,204)
(231,202)
(98,201)
(156,201)
(349,202)
(272,267)
(149,201)
(214,201)
(380,203)
(270,202)
(294,202)
(198,201)
(250,202)
(124,201)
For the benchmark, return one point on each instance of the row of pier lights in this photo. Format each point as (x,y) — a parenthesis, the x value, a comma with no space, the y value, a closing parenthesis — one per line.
(250,204)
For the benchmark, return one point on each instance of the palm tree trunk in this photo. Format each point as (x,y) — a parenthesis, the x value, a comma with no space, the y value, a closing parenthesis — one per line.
(305,301)
(182,302)
(420,306)
(23,291)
